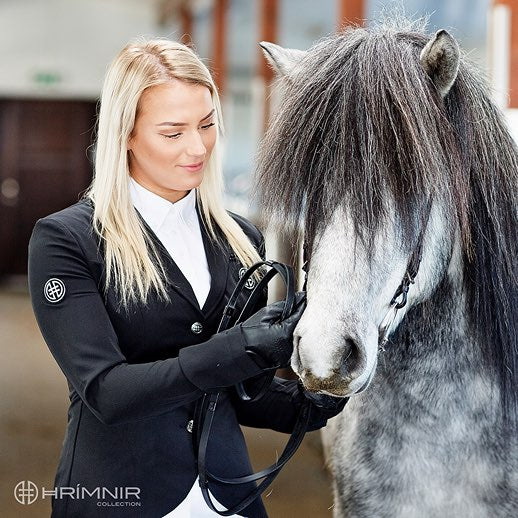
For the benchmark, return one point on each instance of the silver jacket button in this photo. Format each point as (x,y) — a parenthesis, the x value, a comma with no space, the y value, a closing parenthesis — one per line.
(196,328)
(189,426)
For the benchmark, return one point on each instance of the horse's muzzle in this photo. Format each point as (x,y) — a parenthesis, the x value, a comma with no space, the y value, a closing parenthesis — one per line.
(350,365)
(334,385)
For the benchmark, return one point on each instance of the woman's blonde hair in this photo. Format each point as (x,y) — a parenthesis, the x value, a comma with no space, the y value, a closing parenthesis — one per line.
(133,264)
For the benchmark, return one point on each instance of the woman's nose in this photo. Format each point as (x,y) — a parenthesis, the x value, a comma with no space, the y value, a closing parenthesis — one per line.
(195,145)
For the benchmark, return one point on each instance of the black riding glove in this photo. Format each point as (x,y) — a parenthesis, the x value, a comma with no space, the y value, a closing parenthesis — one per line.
(331,404)
(268,340)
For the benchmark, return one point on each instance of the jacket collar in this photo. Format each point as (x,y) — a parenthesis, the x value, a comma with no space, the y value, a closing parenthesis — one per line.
(218,259)
(156,210)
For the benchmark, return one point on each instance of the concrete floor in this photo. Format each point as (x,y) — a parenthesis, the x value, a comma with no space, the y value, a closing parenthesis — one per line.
(33,404)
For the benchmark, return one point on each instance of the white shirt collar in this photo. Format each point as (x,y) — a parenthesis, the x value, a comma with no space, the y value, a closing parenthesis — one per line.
(155,209)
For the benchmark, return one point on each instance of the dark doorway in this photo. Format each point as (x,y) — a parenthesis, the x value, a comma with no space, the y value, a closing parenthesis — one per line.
(44,166)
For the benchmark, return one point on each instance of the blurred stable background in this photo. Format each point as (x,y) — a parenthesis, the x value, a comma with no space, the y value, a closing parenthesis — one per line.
(53,55)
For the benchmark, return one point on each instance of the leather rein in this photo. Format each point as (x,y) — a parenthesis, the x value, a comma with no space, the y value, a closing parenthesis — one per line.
(205,411)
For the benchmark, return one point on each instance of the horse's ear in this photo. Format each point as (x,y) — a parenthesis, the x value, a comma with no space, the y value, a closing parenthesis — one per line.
(440,59)
(282,60)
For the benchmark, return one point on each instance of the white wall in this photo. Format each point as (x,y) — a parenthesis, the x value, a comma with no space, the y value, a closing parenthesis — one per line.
(511,116)
(70,42)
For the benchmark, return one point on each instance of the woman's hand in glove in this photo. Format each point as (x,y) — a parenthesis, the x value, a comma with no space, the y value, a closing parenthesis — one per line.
(331,404)
(269,340)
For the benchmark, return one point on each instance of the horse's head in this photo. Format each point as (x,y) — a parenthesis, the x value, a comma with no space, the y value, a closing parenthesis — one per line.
(351,285)
(364,136)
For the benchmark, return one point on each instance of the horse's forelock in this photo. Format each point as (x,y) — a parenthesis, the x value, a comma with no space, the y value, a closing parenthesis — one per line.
(360,124)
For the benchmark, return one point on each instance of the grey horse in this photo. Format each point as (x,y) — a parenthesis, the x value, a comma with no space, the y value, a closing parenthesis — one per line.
(389,152)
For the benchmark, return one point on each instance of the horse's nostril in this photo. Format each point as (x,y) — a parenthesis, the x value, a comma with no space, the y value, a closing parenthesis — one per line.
(351,358)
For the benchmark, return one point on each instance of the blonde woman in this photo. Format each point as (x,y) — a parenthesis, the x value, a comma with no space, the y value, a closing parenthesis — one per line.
(128,286)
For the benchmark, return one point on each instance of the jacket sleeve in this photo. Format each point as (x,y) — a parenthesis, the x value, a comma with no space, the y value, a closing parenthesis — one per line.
(78,332)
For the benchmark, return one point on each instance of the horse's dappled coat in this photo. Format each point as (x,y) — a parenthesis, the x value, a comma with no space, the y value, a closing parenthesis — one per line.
(374,123)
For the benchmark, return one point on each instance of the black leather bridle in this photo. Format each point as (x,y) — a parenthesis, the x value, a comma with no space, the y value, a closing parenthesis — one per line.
(205,410)
(400,297)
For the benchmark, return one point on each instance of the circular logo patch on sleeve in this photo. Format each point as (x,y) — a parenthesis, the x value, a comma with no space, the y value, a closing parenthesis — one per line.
(54,290)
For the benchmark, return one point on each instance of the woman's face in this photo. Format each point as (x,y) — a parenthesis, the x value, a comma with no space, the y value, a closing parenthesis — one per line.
(174,133)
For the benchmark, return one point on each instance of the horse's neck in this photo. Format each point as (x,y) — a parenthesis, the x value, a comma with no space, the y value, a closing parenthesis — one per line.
(426,416)
(434,355)
(435,325)
(438,326)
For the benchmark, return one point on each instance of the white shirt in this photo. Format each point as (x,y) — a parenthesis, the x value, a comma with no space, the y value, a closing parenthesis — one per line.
(178,228)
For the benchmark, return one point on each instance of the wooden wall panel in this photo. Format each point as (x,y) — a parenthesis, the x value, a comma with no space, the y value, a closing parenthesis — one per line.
(43,168)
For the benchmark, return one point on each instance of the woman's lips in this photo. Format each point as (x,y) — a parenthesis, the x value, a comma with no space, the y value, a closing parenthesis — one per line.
(193,167)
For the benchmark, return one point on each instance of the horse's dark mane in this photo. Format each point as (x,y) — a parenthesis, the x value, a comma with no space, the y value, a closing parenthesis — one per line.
(362,125)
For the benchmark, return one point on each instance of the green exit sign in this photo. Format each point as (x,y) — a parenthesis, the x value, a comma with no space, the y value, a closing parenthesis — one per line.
(46,78)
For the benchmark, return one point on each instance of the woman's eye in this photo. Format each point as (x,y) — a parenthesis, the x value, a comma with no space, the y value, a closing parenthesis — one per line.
(177,135)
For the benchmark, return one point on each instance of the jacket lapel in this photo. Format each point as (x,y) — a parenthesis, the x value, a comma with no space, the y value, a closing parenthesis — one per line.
(217,260)
(176,279)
